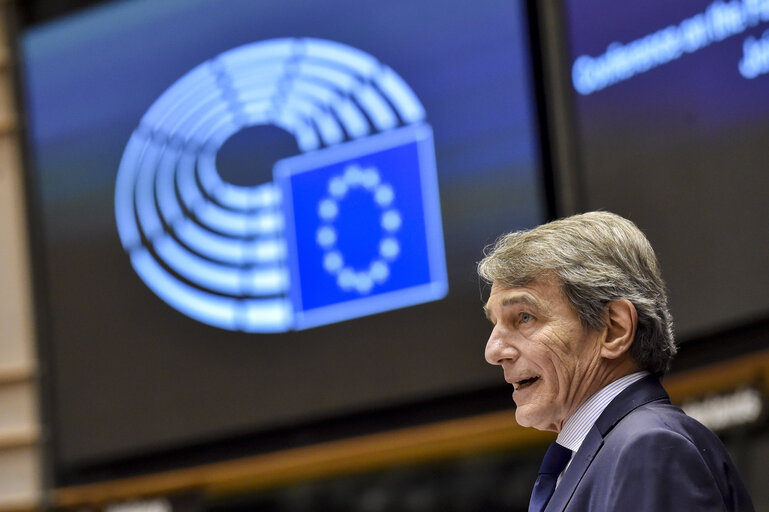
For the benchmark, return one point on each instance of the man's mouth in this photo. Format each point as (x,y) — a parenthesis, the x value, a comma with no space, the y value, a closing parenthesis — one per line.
(523,384)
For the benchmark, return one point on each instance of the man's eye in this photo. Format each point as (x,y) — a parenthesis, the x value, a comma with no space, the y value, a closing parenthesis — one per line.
(526,318)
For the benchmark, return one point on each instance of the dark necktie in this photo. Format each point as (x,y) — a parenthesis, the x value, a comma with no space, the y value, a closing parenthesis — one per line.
(554,462)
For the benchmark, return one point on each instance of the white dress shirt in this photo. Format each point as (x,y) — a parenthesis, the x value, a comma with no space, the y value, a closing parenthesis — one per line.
(576,428)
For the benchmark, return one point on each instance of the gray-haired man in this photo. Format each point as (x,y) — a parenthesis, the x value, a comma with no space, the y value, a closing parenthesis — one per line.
(583,333)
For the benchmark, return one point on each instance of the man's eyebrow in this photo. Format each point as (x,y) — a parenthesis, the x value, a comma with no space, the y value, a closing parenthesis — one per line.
(511,301)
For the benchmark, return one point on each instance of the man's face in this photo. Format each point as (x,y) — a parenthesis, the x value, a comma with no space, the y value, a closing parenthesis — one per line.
(551,360)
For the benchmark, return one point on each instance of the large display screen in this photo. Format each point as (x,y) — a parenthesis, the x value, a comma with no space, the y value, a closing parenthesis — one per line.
(254,215)
(672,115)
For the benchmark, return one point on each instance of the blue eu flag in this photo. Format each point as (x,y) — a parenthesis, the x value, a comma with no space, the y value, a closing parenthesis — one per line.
(363,227)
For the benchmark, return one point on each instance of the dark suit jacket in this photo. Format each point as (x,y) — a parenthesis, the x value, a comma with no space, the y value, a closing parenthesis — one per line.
(644,454)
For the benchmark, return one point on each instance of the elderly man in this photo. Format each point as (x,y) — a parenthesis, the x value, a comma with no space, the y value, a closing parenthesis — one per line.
(583,333)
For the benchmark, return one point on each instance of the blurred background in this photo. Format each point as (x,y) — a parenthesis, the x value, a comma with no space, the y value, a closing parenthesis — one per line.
(131,379)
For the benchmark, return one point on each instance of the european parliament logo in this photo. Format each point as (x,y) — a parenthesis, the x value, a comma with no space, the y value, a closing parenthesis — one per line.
(349,227)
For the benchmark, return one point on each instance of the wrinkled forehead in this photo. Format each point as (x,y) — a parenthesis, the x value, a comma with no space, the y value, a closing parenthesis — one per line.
(541,294)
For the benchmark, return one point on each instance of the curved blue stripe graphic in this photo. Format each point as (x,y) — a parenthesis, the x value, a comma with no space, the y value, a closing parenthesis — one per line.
(216,251)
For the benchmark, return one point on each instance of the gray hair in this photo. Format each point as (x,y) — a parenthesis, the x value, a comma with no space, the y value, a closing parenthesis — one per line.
(598,257)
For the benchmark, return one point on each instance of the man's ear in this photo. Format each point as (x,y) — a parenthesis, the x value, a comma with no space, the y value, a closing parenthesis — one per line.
(621,323)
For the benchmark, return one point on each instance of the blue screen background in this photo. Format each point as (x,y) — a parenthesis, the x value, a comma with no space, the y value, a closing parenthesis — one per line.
(680,149)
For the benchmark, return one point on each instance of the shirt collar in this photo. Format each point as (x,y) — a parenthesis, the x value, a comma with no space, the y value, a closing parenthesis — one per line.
(575,429)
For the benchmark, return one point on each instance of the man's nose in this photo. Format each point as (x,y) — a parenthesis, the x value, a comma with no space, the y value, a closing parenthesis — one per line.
(498,347)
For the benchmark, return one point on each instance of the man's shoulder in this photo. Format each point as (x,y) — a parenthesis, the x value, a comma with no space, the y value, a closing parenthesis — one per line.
(658,458)
(658,426)
(660,419)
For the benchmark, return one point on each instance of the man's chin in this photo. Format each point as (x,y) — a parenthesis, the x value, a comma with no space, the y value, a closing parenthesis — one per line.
(526,417)
(523,418)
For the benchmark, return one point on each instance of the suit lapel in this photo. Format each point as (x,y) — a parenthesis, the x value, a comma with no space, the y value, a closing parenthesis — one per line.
(634,396)
(637,394)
